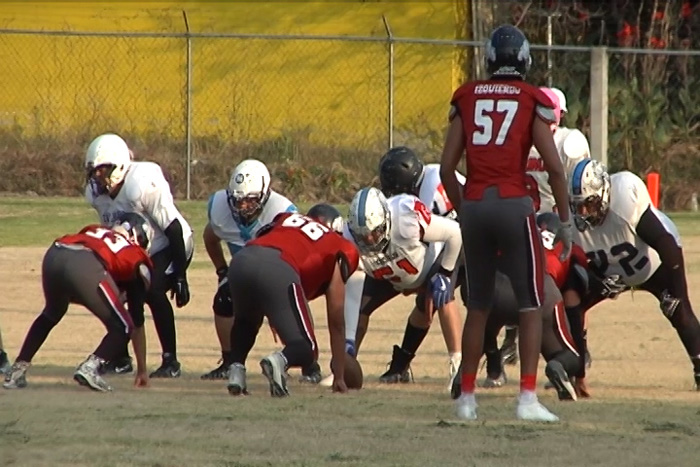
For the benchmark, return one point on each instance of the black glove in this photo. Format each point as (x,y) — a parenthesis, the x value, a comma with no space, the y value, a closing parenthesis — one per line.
(223,306)
(181,291)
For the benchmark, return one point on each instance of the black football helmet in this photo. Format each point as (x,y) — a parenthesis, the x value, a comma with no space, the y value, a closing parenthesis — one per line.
(507,53)
(136,228)
(400,171)
(327,215)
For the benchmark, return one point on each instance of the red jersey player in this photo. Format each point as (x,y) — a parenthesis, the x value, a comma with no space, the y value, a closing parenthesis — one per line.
(294,259)
(91,268)
(496,121)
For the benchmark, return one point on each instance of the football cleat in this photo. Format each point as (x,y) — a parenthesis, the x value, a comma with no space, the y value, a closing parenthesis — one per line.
(533,411)
(466,407)
(236,380)
(118,366)
(220,372)
(16,378)
(169,368)
(87,374)
(399,368)
(274,367)
(311,374)
(560,380)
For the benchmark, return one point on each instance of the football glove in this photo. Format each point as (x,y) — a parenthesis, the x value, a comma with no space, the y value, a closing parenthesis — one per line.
(223,306)
(181,291)
(440,286)
(668,304)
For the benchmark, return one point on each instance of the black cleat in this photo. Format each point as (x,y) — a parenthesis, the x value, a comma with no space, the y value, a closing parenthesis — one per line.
(560,380)
(220,372)
(118,366)
(169,368)
(311,374)
(399,368)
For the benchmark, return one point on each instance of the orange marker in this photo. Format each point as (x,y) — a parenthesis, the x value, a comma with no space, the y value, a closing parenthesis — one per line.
(653,185)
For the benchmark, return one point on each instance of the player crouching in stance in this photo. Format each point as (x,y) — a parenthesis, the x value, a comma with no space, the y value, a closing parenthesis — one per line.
(91,268)
(559,347)
(405,249)
(630,244)
(294,259)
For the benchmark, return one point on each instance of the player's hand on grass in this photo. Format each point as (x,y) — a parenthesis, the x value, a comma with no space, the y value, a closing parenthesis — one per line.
(581,388)
(141,380)
(339,386)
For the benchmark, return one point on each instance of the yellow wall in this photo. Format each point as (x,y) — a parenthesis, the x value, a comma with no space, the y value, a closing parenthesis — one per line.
(335,92)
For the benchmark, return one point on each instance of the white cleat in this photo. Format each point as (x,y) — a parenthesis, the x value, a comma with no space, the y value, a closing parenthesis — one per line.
(237,380)
(87,374)
(533,411)
(466,407)
(274,367)
(16,378)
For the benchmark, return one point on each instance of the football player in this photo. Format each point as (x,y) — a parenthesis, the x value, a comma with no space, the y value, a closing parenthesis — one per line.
(631,244)
(92,268)
(572,147)
(493,125)
(559,348)
(293,260)
(401,245)
(116,185)
(235,215)
(402,171)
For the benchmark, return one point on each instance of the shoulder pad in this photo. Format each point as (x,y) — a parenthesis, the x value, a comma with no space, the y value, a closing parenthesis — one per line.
(629,197)
(545,113)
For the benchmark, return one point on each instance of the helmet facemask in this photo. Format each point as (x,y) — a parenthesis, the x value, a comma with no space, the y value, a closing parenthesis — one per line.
(591,211)
(245,208)
(373,241)
(104,178)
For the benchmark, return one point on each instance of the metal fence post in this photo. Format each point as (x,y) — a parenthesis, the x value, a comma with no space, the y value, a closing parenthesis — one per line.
(188,105)
(390,84)
(599,104)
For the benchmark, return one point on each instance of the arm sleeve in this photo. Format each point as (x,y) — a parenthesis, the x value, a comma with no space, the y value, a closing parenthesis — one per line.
(177,247)
(445,230)
(652,231)
(136,294)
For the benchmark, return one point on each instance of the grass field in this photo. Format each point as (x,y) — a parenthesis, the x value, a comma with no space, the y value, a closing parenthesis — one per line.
(643,412)
(243,90)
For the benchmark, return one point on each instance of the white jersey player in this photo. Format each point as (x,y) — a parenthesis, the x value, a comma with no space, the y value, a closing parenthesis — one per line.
(630,243)
(401,245)
(116,186)
(235,215)
(572,147)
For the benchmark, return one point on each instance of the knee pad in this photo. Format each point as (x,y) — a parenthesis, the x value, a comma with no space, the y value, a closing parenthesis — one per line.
(222,304)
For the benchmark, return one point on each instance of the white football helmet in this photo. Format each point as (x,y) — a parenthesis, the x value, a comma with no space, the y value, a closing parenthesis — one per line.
(106,162)
(248,190)
(369,221)
(135,228)
(589,193)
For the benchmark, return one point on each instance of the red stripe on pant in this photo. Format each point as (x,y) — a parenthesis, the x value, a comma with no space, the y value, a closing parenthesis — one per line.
(562,325)
(112,297)
(537,259)
(305,315)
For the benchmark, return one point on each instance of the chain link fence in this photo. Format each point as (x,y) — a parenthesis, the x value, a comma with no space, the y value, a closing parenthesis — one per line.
(320,110)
